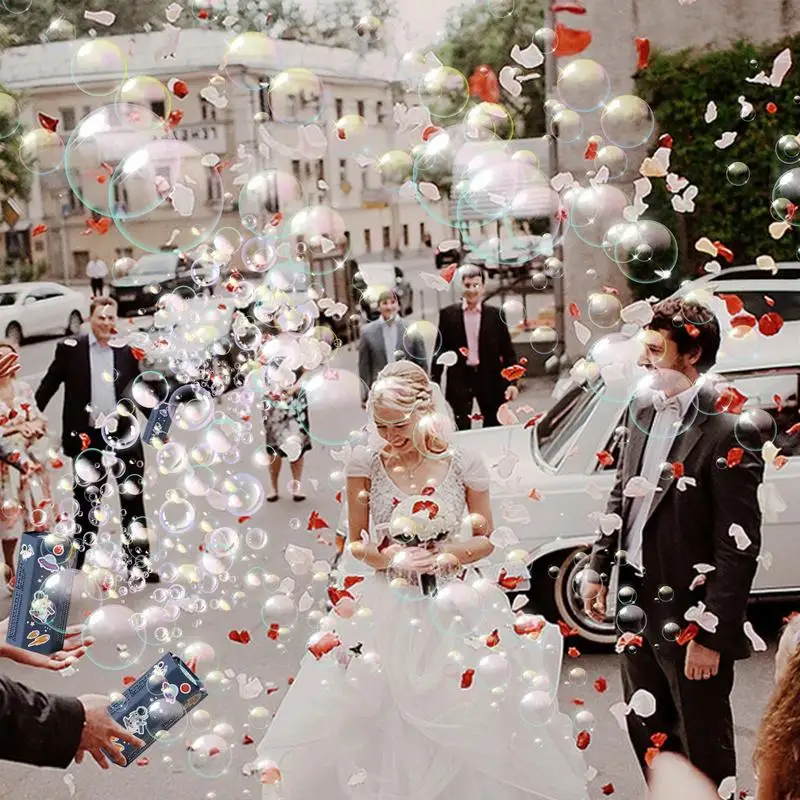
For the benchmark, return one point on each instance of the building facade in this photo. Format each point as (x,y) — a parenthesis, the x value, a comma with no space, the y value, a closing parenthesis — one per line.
(208,133)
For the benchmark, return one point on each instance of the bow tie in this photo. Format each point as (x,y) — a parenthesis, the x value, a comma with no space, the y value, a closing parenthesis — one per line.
(662,403)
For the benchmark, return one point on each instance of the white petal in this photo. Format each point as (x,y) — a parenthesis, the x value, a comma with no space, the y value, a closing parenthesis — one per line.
(727,787)
(582,333)
(777,229)
(172,12)
(643,703)
(740,537)
(447,245)
(508,80)
(434,281)
(447,359)
(503,537)
(759,645)
(780,66)
(520,601)
(703,569)
(619,711)
(705,245)
(530,58)
(100,17)
(726,140)
(712,267)
(711,112)
(183,199)
(638,486)
(305,602)
(430,191)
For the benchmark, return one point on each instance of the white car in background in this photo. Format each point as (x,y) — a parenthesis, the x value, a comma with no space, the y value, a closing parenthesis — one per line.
(557,458)
(40,308)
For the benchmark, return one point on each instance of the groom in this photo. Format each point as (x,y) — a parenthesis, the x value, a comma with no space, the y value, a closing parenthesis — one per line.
(687,545)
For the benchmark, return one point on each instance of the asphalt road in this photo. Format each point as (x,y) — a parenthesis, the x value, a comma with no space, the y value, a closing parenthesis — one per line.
(198,618)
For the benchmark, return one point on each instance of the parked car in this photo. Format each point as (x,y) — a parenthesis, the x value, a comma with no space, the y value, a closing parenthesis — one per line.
(138,290)
(40,308)
(497,255)
(557,458)
(371,280)
(753,286)
(444,258)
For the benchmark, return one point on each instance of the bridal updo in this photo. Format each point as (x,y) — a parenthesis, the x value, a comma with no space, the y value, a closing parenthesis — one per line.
(405,387)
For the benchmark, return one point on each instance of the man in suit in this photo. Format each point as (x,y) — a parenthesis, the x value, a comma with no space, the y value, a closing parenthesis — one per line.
(384,341)
(476,333)
(688,533)
(96,377)
(48,730)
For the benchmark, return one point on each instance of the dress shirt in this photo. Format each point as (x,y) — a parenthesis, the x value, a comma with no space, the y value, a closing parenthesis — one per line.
(389,329)
(97,269)
(665,428)
(472,325)
(101,369)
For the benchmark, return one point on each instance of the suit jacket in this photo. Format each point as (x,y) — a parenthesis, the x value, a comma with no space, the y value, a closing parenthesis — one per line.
(692,527)
(495,350)
(372,351)
(71,367)
(40,729)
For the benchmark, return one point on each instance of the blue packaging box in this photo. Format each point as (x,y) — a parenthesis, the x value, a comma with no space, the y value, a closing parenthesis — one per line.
(40,605)
(160,697)
(158,424)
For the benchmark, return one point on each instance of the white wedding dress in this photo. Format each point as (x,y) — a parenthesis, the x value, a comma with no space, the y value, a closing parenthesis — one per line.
(394,713)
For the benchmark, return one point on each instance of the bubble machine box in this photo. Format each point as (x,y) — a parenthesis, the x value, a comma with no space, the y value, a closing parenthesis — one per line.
(40,605)
(151,705)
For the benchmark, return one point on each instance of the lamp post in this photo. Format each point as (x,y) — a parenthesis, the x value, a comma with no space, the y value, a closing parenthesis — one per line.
(550,74)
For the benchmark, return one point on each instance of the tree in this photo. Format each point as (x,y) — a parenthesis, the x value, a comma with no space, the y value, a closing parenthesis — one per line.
(477,36)
(15,179)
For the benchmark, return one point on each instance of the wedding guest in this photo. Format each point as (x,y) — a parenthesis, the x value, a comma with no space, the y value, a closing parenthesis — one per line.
(777,759)
(477,335)
(384,341)
(97,272)
(687,628)
(26,498)
(96,376)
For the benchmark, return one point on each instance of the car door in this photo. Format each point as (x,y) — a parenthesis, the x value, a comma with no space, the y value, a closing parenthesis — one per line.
(31,315)
(773,396)
(55,308)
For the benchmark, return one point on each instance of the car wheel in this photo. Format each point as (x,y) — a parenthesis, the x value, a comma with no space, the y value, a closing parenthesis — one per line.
(74,324)
(568,601)
(14,334)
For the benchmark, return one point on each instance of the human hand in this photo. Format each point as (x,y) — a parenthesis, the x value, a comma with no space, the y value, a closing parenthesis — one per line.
(512,393)
(594,597)
(9,365)
(414,559)
(73,650)
(99,732)
(673,776)
(701,662)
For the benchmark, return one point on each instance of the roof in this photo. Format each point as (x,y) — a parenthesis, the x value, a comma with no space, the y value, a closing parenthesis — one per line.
(49,65)
(5,288)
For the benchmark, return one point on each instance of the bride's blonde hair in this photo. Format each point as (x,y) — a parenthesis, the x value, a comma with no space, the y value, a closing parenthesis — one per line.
(405,387)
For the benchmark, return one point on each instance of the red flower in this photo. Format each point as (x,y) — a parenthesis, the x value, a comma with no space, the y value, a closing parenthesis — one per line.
(467,678)
(643,52)
(47,122)
(770,323)
(448,272)
(600,685)
(658,739)
(573,652)
(316,522)
(724,251)
(608,789)
(678,470)
(733,303)
(583,740)
(688,633)
(513,373)
(734,456)
(493,639)
(590,153)
(605,458)
(327,642)
(179,88)
(242,637)
(351,580)
(731,400)
(566,630)
(508,582)
(574,311)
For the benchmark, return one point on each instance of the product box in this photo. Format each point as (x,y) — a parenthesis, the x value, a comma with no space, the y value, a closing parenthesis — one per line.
(155,702)
(40,605)
(158,424)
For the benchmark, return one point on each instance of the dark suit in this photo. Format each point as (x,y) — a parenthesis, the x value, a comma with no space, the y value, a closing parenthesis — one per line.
(40,729)
(484,381)
(372,355)
(683,529)
(71,367)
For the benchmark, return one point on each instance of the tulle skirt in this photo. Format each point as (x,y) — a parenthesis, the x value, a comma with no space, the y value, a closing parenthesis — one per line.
(425,698)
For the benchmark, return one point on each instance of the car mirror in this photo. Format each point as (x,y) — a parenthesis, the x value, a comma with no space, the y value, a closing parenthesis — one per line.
(28,300)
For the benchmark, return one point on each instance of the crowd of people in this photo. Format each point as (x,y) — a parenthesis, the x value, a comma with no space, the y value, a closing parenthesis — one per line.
(405,709)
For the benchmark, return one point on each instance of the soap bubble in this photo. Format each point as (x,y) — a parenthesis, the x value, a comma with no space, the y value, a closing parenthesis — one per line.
(144,90)
(593,210)
(645,251)
(9,115)
(627,121)
(444,91)
(566,125)
(787,149)
(150,389)
(295,95)
(98,67)
(210,755)
(41,151)
(249,58)
(191,407)
(267,194)
(117,641)
(583,84)
(177,515)
(737,173)
(613,158)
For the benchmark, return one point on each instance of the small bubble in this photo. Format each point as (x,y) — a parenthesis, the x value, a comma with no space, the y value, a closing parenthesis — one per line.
(738,173)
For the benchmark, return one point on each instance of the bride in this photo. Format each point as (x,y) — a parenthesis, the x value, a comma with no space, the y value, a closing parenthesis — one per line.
(421,683)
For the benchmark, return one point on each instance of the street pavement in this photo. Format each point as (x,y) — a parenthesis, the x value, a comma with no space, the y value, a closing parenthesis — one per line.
(247,681)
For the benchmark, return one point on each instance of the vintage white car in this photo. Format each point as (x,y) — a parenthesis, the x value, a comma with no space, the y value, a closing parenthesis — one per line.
(558,459)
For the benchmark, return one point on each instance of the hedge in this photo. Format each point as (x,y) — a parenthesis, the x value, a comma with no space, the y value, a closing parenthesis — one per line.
(678,87)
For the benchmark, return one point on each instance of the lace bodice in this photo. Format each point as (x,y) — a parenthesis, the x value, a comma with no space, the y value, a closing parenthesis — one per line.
(466,470)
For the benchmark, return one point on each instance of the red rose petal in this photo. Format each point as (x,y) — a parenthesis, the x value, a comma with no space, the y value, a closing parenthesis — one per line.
(583,740)
(467,678)
(600,685)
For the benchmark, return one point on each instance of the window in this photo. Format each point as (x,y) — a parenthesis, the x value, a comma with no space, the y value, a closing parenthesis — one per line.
(213,186)
(208,111)
(367,240)
(364,178)
(379,112)
(158,108)
(347,238)
(67,118)
(405,235)
(422,231)
(321,170)
(291,106)
(783,273)
(360,108)
(120,191)
(387,237)
(263,98)
(342,170)
(123,252)
(296,169)
(86,111)
(7,298)
(339,108)
(307,170)
(773,391)
(787,304)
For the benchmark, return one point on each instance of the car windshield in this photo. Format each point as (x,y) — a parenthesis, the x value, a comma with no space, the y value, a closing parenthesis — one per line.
(8,298)
(154,265)
(566,417)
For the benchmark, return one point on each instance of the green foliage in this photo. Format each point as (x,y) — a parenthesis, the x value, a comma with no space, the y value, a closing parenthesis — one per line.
(678,87)
(15,178)
(477,37)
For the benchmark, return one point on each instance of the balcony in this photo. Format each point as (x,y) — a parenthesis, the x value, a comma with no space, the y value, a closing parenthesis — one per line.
(375,198)
(207,136)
